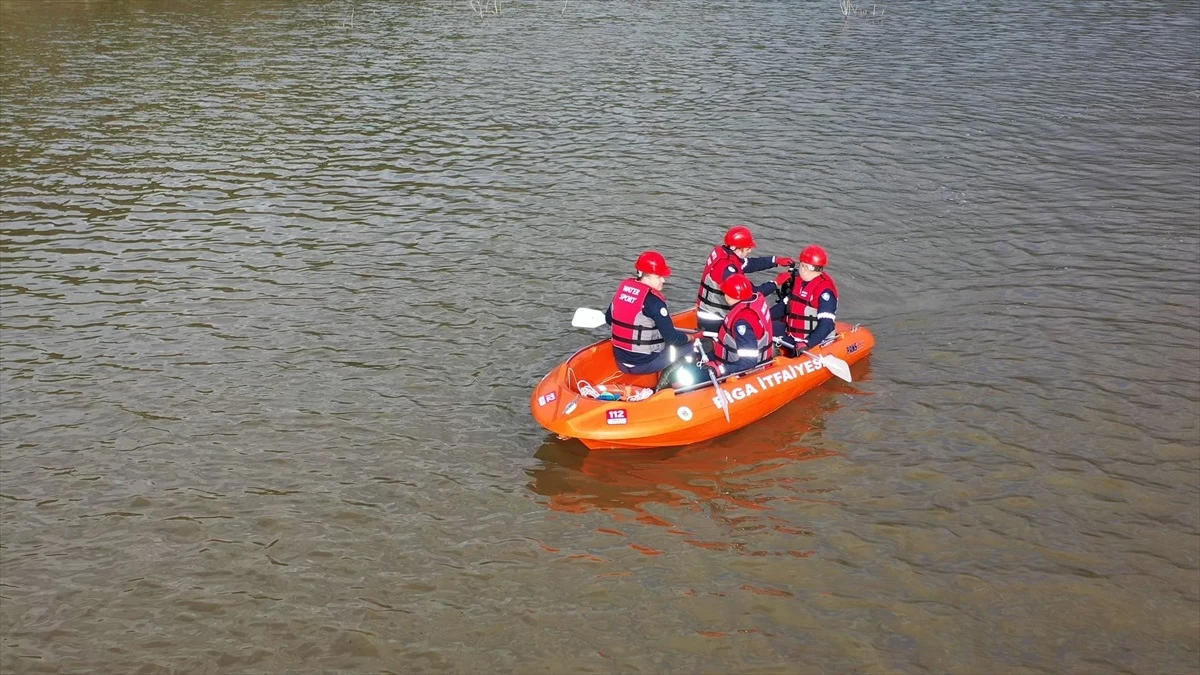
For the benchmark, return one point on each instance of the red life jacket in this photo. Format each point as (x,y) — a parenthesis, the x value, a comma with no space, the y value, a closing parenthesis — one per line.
(710,299)
(755,311)
(802,303)
(632,330)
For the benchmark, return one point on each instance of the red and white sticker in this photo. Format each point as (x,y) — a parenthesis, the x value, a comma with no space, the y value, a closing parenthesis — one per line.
(617,416)
(546,398)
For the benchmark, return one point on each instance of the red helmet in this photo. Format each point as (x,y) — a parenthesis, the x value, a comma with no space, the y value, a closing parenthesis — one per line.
(652,262)
(737,286)
(815,256)
(739,236)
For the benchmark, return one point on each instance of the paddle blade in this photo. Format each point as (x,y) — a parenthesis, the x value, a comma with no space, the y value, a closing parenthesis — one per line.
(837,367)
(587,318)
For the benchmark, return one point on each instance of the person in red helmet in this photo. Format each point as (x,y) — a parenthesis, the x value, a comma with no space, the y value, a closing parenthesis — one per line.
(644,338)
(744,338)
(805,315)
(731,257)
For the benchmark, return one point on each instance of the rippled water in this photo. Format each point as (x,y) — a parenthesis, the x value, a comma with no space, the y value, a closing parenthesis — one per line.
(278,278)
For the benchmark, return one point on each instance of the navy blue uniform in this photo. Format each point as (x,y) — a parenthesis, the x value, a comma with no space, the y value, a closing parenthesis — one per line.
(755,264)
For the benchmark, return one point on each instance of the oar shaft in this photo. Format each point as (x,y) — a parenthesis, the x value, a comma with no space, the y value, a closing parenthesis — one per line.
(720,393)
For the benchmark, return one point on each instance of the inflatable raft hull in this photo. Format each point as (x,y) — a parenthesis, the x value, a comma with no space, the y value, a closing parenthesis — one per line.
(673,418)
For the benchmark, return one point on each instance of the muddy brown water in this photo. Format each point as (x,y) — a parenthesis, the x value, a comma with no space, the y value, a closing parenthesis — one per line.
(278,279)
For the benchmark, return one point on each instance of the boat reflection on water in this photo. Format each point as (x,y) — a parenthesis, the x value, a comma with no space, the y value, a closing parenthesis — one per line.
(738,482)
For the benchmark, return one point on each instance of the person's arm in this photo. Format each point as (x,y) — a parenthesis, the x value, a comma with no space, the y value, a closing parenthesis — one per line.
(725,272)
(766,288)
(766,262)
(826,315)
(657,312)
(779,321)
(608,314)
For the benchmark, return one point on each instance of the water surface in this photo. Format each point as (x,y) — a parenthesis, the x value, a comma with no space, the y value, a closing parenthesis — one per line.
(278,279)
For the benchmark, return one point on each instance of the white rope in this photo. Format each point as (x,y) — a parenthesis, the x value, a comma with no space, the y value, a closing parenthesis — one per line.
(589,390)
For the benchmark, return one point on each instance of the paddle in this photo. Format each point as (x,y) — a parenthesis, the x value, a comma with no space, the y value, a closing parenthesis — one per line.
(586,317)
(833,364)
(712,377)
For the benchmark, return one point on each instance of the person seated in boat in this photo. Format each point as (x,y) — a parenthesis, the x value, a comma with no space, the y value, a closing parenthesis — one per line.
(808,302)
(644,338)
(731,257)
(744,338)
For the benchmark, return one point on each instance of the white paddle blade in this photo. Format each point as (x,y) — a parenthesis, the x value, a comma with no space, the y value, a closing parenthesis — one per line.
(837,367)
(586,317)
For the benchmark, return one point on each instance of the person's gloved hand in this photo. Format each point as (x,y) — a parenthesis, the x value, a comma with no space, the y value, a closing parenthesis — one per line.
(781,261)
(711,368)
(783,276)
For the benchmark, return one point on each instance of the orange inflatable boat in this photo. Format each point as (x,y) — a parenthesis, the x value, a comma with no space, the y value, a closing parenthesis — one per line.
(578,399)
